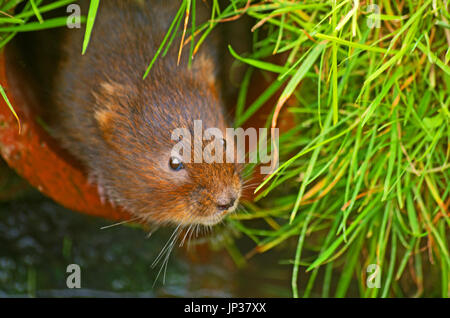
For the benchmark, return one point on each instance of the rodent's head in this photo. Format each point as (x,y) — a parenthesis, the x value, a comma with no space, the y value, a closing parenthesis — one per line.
(198,193)
(142,173)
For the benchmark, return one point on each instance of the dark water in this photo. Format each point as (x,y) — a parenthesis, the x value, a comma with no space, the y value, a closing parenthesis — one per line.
(39,239)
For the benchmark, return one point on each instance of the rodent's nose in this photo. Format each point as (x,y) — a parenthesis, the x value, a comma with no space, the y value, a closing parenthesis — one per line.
(225,203)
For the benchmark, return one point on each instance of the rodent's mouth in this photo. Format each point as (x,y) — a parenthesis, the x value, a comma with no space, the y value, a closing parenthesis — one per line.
(210,220)
(216,217)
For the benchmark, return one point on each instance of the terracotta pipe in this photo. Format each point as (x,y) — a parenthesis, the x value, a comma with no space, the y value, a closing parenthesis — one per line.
(33,157)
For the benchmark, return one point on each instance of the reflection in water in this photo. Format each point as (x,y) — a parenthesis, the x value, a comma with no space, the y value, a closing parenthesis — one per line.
(39,238)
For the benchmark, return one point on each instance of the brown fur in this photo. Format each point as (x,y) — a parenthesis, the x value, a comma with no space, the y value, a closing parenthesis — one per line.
(119,126)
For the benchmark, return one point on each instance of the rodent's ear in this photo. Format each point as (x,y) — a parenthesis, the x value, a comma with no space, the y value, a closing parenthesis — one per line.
(206,68)
(107,103)
(105,119)
(109,90)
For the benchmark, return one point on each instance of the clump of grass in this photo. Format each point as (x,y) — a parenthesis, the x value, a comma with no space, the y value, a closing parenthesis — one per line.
(364,171)
(11,24)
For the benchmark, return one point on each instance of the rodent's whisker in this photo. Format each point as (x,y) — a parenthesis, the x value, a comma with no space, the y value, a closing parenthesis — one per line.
(189,240)
(197,227)
(153,230)
(119,223)
(242,208)
(250,185)
(185,235)
(158,258)
(167,249)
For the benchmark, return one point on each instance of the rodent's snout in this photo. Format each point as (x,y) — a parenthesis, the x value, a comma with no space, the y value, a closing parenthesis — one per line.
(225,203)
(227,199)
(218,197)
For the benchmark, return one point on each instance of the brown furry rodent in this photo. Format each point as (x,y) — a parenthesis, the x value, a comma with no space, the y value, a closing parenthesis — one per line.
(119,125)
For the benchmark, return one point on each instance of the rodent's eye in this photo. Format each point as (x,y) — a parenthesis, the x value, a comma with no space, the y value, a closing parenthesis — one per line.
(175,164)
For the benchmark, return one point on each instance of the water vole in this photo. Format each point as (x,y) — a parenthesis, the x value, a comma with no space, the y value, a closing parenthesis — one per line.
(119,126)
